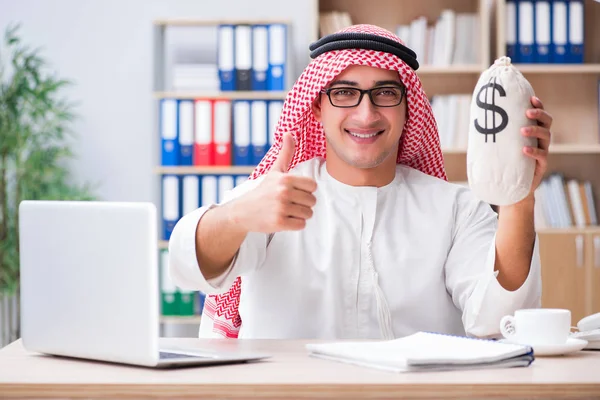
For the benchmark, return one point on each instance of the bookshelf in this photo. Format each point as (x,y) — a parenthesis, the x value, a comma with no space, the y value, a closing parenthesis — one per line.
(570,92)
(207,95)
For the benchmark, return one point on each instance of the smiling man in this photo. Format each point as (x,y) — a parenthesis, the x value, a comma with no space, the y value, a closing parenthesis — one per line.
(348,228)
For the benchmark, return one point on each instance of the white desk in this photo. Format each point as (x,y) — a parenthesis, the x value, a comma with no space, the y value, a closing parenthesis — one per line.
(289,374)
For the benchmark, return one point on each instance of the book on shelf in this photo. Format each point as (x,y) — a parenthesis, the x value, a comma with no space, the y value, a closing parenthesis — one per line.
(196,77)
(333,21)
(452,113)
(425,351)
(452,39)
(564,203)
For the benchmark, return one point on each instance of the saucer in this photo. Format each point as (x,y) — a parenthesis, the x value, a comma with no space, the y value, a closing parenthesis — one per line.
(572,345)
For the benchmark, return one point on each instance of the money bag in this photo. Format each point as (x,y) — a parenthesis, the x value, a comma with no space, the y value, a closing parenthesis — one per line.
(498,170)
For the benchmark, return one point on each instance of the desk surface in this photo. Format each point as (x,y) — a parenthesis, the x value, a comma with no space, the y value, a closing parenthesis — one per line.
(289,374)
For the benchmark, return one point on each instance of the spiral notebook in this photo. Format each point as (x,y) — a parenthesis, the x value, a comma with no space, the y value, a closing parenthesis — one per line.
(425,351)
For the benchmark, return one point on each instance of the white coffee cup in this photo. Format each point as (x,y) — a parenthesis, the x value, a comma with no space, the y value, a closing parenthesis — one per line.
(537,326)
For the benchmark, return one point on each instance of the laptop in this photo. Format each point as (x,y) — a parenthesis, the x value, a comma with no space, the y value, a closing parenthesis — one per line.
(90,285)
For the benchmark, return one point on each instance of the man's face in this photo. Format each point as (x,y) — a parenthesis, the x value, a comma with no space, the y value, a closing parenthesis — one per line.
(366,135)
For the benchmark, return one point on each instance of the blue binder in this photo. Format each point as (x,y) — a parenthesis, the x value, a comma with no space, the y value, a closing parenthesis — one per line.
(241,133)
(171,204)
(277,73)
(260,57)
(168,132)
(526,31)
(226,56)
(575,27)
(511,30)
(543,31)
(259,135)
(558,45)
(185,131)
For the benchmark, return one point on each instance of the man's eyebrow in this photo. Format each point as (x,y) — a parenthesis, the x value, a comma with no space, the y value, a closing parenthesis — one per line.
(378,83)
(387,83)
(344,82)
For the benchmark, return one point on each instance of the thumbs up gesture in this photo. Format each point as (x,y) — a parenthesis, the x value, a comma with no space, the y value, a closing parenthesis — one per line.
(281,201)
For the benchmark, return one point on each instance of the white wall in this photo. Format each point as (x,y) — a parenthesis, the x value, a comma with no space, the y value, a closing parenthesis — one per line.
(106,48)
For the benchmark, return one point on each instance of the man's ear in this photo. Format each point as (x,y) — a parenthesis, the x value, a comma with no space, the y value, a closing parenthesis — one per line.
(316,108)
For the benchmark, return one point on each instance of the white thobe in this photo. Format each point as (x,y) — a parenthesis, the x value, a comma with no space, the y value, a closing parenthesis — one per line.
(432,246)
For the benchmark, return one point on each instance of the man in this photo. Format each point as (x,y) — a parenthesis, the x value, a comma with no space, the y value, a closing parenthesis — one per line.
(371,243)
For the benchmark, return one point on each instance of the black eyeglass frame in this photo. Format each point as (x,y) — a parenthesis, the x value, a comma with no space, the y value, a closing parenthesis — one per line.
(363,92)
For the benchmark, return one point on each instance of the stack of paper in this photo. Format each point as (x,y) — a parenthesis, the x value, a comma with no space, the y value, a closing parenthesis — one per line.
(425,351)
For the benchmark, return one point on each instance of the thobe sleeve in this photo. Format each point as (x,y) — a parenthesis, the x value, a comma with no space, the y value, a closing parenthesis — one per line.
(184,269)
(470,276)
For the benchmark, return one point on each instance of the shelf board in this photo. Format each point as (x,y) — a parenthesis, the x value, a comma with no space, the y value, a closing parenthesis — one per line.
(558,68)
(557,148)
(574,230)
(449,69)
(231,95)
(592,148)
(215,22)
(180,319)
(204,170)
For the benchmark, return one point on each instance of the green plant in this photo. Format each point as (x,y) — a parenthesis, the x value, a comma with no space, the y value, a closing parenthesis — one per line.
(34,147)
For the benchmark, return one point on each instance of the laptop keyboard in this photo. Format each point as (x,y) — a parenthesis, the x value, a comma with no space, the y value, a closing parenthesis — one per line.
(166,356)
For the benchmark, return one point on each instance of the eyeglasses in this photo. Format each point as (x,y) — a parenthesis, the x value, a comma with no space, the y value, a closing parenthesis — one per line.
(346,97)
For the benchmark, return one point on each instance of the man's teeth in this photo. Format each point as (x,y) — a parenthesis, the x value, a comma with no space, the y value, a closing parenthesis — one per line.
(363,136)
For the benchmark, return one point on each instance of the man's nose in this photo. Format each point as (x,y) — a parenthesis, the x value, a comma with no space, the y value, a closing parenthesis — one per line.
(366,111)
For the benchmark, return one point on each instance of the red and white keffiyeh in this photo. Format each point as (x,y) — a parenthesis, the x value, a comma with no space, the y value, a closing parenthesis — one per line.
(419,145)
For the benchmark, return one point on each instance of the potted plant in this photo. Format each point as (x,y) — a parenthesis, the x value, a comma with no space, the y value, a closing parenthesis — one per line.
(34,148)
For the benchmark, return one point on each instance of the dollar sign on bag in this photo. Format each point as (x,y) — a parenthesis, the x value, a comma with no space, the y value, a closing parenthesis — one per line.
(490,127)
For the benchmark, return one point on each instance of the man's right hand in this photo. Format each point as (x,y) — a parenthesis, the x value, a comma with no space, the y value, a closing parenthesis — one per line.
(281,202)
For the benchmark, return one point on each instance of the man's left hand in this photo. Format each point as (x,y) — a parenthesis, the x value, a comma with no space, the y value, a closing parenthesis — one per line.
(542,133)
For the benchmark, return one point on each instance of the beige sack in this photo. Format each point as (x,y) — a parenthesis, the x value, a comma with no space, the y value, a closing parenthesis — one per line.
(498,171)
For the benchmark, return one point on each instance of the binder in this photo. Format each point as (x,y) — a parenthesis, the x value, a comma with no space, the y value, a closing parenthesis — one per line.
(222,132)
(526,31)
(186,305)
(239,179)
(260,57)
(274,112)
(186,132)
(543,31)
(226,56)
(225,185)
(190,188)
(209,190)
(201,300)
(576,34)
(168,132)
(243,57)
(277,74)
(511,30)
(203,137)
(558,45)
(259,133)
(168,292)
(170,204)
(241,133)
